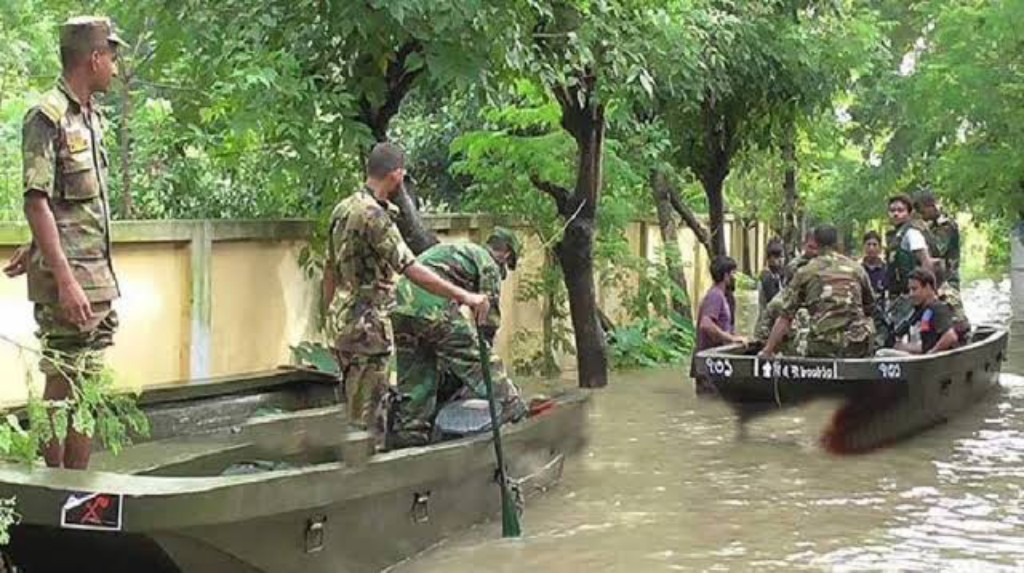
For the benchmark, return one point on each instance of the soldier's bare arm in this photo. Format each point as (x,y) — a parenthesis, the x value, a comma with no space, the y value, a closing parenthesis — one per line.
(390,246)
(38,151)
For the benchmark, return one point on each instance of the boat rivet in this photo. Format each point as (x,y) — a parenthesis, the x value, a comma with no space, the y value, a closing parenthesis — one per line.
(420,511)
(316,527)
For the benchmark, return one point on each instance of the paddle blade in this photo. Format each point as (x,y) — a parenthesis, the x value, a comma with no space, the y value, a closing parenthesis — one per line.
(509,517)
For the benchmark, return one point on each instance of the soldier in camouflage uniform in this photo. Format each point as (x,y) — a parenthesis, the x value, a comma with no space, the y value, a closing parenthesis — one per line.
(70,274)
(437,351)
(945,235)
(838,296)
(366,253)
(772,312)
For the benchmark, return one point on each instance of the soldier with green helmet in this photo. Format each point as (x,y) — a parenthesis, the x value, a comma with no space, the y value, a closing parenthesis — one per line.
(366,252)
(71,277)
(837,294)
(437,353)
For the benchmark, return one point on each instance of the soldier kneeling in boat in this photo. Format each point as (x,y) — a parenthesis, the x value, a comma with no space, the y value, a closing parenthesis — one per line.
(796,341)
(837,294)
(437,351)
(934,318)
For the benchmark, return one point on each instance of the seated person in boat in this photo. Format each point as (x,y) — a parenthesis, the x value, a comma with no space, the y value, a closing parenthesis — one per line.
(810,250)
(714,316)
(773,310)
(770,282)
(873,262)
(837,294)
(949,294)
(933,317)
(436,345)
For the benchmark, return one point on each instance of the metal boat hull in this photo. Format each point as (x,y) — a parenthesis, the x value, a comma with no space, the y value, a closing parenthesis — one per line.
(323,517)
(883,399)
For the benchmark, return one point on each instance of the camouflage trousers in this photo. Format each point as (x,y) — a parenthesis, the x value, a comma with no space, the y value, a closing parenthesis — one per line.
(795,342)
(438,361)
(365,378)
(69,348)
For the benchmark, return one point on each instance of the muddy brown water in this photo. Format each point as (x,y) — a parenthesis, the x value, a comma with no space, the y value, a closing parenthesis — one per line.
(666,485)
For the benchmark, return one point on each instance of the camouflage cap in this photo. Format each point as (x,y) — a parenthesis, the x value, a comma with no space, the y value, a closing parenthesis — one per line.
(504,236)
(89,32)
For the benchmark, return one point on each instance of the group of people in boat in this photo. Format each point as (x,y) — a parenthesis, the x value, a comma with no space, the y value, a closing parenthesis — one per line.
(903,299)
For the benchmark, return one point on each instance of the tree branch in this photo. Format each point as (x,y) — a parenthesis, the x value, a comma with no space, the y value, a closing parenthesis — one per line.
(689,217)
(560,194)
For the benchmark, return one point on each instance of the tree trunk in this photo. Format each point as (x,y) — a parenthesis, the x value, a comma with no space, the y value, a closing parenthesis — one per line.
(718,149)
(670,239)
(549,365)
(713,188)
(416,234)
(127,204)
(747,262)
(790,233)
(575,255)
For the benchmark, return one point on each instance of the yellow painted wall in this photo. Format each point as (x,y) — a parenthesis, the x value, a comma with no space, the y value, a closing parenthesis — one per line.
(260,303)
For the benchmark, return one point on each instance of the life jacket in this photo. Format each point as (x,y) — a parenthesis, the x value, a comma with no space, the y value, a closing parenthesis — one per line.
(900,262)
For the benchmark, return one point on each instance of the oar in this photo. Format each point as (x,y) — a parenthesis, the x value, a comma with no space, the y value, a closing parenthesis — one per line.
(509,517)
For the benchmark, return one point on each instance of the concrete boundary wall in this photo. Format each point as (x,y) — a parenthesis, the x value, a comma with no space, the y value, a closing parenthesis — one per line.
(217,297)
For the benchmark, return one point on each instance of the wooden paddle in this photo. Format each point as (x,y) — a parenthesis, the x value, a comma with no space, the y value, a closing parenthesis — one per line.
(509,516)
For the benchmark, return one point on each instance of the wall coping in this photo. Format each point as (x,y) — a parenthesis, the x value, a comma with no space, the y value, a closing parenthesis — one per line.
(13,233)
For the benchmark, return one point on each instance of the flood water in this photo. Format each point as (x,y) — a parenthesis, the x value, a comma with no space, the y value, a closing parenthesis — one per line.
(666,485)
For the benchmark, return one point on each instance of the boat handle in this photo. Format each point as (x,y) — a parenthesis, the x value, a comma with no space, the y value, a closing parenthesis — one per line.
(315,530)
(420,511)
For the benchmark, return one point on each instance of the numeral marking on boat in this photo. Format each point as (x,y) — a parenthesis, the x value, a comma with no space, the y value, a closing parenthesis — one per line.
(719,366)
(890,370)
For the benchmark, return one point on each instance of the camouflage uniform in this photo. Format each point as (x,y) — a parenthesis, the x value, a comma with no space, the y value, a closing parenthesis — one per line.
(946,235)
(773,310)
(65,159)
(366,253)
(437,350)
(835,290)
(951,296)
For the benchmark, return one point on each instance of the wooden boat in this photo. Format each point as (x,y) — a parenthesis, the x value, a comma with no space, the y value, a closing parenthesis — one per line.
(300,495)
(883,399)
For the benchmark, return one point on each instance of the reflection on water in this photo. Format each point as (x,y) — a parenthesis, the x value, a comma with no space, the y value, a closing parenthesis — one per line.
(666,486)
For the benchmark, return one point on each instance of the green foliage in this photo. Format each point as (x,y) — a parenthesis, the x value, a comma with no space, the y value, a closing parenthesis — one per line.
(95,408)
(648,342)
(315,355)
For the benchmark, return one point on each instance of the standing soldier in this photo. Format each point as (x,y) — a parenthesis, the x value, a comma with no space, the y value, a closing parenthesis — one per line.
(437,345)
(945,234)
(366,253)
(70,274)
(838,297)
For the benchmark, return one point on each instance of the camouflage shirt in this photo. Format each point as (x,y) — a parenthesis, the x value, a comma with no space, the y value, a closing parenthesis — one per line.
(946,236)
(467,265)
(836,292)
(366,252)
(951,296)
(64,158)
